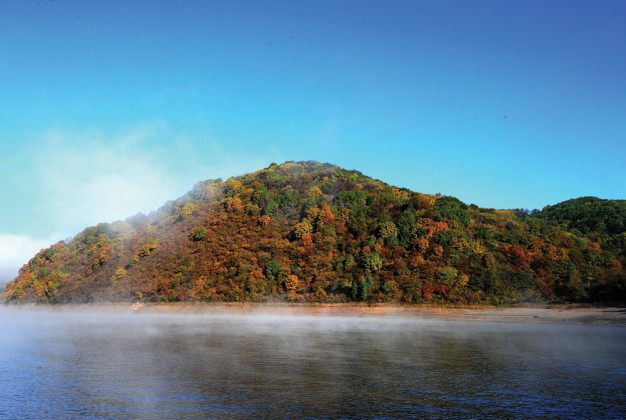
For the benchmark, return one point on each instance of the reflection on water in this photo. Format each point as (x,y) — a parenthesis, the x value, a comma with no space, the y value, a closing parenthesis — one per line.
(161,365)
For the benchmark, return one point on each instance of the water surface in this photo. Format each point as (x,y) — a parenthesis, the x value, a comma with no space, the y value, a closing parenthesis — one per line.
(119,364)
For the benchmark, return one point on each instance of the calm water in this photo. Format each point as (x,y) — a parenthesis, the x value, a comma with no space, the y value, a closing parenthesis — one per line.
(83,363)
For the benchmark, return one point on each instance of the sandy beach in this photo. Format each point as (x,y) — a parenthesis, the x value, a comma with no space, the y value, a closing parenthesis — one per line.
(559,314)
(530,313)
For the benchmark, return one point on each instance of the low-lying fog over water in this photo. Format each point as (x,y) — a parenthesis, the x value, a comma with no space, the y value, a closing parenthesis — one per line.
(92,363)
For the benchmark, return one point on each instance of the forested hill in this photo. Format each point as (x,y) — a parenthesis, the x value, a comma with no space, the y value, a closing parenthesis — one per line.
(311,232)
(602,220)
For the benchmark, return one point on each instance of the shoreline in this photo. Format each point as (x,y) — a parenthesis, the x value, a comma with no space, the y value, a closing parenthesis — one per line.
(524,313)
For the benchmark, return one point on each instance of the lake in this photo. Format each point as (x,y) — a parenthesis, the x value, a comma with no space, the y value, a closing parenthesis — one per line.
(93,363)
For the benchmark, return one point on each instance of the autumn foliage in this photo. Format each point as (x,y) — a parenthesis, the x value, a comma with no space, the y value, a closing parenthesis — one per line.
(311,232)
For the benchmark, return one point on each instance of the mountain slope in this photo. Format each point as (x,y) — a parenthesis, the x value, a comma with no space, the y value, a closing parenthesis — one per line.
(603,220)
(315,232)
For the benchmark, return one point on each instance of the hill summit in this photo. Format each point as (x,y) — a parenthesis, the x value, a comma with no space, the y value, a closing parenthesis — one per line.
(312,232)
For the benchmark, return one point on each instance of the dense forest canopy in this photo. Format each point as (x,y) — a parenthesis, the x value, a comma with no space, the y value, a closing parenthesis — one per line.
(311,232)
(602,220)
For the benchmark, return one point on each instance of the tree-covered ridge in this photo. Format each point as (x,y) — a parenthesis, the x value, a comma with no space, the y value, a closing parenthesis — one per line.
(317,233)
(602,220)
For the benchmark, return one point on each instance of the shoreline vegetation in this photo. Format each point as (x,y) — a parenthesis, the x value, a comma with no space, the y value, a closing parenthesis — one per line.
(575,314)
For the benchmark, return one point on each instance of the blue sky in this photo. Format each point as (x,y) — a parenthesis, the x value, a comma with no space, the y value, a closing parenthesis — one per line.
(108,108)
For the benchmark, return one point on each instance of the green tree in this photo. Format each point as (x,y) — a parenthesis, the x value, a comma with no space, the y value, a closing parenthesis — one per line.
(272,269)
(198,234)
(367,284)
(388,232)
(406,231)
(372,262)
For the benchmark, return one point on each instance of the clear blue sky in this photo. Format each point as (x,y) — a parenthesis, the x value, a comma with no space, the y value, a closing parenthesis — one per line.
(108,108)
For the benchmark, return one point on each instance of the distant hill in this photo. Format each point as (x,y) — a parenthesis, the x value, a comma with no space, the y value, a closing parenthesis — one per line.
(312,232)
(602,220)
